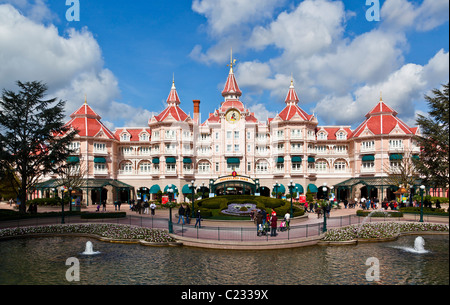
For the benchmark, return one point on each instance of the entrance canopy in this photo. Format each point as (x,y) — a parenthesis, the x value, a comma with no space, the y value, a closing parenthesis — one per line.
(234,184)
(371,182)
(85,184)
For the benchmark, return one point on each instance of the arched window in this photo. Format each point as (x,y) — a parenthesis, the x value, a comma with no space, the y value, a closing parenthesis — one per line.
(321,166)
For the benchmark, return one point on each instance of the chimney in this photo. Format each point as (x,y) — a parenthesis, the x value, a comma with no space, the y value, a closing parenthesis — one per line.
(196,111)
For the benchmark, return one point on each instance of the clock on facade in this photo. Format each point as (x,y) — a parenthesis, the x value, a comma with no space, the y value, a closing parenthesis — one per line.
(233,116)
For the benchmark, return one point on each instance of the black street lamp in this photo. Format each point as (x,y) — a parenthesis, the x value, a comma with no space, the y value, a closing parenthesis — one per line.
(291,187)
(170,191)
(193,187)
(62,205)
(422,188)
(325,206)
(275,186)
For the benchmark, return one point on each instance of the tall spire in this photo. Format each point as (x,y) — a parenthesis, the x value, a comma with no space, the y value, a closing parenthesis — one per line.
(292,97)
(173,98)
(231,89)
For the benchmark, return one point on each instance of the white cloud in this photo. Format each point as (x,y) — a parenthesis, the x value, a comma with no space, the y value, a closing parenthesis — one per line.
(230,15)
(72,66)
(399,90)
(312,27)
(261,112)
(343,73)
(401,14)
(35,10)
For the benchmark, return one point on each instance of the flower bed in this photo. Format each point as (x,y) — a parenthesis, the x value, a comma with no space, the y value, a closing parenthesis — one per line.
(381,230)
(110,231)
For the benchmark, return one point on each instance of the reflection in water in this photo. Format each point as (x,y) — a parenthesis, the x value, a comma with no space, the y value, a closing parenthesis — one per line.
(42,261)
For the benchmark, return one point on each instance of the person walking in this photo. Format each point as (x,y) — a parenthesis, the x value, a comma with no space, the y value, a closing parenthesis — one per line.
(181,212)
(264,217)
(287,218)
(199,219)
(187,213)
(273,225)
(259,223)
(146,207)
(152,208)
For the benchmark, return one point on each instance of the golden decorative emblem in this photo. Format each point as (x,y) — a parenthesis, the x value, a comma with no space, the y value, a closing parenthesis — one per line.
(233,116)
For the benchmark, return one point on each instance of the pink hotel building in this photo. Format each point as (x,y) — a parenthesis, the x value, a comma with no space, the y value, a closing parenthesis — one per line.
(175,149)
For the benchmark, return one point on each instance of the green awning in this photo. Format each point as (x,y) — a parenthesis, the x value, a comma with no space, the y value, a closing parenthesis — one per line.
(155,189)
(187,161)
(171,160)
(73,160)
(298,188)
(99,160)
(297,159)
(393,157)
(233,161)
(368,158)
(280,160)
(312,188)
(155,161)
(186,189)
(416,157)
(311,160)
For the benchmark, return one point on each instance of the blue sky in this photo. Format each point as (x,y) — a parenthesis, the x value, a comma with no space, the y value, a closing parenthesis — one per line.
(123,54)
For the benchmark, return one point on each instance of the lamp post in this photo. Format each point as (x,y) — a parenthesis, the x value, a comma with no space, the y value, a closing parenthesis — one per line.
(62,205)
(324,189)
(193,187)
(275,186)
(291,187)
(422,188)
(170,191)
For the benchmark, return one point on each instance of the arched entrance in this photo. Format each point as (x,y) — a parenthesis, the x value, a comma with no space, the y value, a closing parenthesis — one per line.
(264,191)
(234,185)
(99,195)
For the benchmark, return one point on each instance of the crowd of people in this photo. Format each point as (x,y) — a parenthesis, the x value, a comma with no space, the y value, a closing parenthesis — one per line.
(266,222)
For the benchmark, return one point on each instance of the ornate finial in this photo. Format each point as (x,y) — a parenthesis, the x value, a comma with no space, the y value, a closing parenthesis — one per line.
(85,99)
(381,96)
(232,61)
(292,80)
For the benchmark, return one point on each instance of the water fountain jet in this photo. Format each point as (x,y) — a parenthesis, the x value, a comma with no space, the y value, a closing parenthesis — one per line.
(90,249)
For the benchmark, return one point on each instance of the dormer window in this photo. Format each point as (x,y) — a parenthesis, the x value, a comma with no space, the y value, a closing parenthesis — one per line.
(144,136)
(321,136)
(125,137)
(341,135)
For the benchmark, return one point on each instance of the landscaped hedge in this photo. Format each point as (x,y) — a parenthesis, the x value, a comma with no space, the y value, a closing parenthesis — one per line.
(212,206)
(428,211)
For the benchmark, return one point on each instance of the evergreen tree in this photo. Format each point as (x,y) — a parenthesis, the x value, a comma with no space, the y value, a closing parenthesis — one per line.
(33,139)
(433,162)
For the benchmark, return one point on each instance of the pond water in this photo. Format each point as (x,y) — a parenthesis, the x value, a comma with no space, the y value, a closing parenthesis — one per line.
(42,261)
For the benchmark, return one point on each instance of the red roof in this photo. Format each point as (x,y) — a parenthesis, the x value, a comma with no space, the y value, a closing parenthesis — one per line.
(290,110)
(292,94)
(134,133)
(88,123)
(382,119)
(176,112)
(231,86)
(381,107)
(173,96)
(332,131)
(173,109)
(232,104)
